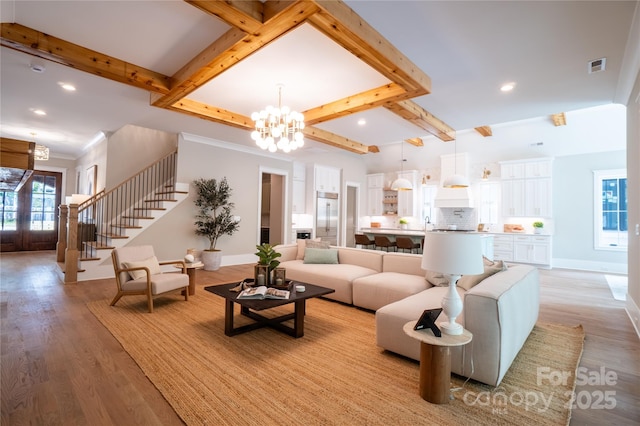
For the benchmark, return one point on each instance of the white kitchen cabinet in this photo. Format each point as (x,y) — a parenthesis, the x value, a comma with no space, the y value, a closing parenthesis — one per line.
(513,197)
(503,247)
(374,201)
(512,170)
(538,197)
(375,180)
(534,249)
(327,179)
(527,188)
(408,205)
(538,168)
(375,194)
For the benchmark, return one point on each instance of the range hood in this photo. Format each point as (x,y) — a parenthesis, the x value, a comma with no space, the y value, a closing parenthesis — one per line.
(453,198)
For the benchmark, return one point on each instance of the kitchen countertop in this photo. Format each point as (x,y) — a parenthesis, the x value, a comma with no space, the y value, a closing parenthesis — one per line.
(420,232)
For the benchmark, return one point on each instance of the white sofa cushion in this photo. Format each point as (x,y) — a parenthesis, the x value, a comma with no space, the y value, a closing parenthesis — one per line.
(377,290)
(338,276)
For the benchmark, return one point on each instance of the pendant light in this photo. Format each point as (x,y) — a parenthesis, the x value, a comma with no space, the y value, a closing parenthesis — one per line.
(455,181)
(401,184)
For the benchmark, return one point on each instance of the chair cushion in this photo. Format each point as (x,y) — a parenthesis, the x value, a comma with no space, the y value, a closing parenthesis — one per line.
(160,283)
(151,263)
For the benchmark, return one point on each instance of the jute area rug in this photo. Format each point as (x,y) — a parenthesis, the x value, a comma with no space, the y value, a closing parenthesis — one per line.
(335,374)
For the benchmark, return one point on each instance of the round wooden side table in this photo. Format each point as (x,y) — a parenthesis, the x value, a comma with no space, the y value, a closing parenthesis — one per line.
(435,361)
(191,271)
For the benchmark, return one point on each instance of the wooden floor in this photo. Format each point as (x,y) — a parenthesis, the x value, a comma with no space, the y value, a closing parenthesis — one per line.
(61,366)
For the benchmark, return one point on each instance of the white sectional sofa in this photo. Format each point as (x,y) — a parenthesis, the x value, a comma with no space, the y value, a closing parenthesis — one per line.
(500,310)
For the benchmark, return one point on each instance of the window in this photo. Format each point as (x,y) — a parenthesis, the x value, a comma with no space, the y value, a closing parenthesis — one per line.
(43,203)
(428,197)
(610,200)
(9,211)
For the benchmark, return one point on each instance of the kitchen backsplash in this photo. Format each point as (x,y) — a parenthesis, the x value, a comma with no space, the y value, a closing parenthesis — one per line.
(462,218)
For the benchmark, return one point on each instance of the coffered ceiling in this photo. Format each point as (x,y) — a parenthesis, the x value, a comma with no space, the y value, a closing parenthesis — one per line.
(410,69)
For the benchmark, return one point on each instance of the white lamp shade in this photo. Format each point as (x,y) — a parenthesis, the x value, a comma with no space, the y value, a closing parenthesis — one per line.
(453,253)
(401,184)
(456,181)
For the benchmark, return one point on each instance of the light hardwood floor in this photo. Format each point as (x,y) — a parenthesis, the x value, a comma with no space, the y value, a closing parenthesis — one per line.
(59,365)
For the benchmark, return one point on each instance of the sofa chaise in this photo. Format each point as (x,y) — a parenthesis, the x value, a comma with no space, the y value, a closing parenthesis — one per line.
(499,310)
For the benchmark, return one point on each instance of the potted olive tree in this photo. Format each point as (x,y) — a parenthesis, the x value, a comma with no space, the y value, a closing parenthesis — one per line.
(214,218)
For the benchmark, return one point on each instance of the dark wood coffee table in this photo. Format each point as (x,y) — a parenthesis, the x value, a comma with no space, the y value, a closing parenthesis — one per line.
(248,308)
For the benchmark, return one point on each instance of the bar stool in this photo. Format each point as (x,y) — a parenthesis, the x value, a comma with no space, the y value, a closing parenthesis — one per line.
(406,243)
(384,243)
(364,241)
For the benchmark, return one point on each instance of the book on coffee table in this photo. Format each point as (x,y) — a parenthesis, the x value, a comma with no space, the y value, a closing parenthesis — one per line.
(263,292)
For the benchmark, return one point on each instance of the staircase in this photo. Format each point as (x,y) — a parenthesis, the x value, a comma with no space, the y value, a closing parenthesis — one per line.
(114,218)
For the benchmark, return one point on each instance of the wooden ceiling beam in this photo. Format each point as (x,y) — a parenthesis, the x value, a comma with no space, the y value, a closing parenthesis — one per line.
(246,16)
(339,22)
(361,102)
(484,130)
(211,113)
(220,115)
(36,43)
(559,119)
(337,141)
(422,118)
(415,141)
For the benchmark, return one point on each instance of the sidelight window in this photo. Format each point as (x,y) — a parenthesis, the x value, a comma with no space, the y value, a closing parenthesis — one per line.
(610,210)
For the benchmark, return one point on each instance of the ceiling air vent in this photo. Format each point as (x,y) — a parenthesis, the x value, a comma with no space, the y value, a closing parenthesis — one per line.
(597,65)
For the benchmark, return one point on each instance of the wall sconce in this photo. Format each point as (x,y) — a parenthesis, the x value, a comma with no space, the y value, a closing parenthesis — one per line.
(485,174)
(425,178)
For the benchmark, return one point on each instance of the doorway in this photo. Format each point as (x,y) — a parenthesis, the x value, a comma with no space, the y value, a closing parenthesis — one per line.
(29,217)
(272,208)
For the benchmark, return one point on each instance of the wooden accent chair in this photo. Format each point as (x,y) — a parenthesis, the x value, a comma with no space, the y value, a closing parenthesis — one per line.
(406,243)
(138,272)
(364,241)
(385,243)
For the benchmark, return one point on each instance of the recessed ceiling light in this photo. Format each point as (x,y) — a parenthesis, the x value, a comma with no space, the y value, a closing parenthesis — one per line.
(362,122)
(39,112)
(67,86)
(507,87)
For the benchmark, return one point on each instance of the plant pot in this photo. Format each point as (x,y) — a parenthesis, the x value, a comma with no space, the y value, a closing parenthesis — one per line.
(537,230)
(211,259)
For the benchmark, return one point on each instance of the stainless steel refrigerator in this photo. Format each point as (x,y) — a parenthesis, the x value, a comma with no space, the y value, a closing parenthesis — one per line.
(327,217)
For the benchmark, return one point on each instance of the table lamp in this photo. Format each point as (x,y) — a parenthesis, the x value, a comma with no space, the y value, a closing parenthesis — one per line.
(453,254)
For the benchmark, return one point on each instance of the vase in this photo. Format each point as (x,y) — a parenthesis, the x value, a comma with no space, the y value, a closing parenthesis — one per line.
(211,259)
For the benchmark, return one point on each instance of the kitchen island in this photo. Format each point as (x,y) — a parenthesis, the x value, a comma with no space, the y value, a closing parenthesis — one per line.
(417,236)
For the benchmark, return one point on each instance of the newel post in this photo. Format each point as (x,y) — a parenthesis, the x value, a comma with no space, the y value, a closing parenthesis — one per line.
(71,253)
(61,246)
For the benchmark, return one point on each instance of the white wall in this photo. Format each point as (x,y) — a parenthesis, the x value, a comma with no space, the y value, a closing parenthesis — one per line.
(133,148)
(573,209)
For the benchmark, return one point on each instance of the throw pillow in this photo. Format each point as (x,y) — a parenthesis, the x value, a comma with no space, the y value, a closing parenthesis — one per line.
(302,244)
(151,263)
(437,279)
(317,244)
(467,282)
(321,256)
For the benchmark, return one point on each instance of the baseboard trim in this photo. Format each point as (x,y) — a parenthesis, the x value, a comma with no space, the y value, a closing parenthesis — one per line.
(590,265)
(634,314)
